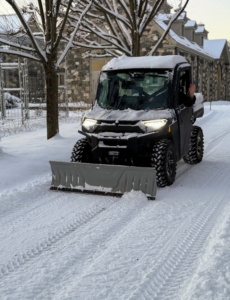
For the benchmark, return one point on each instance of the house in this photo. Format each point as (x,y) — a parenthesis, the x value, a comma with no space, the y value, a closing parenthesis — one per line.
(210,60)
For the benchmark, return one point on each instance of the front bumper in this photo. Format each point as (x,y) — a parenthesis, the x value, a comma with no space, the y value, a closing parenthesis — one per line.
(121,142)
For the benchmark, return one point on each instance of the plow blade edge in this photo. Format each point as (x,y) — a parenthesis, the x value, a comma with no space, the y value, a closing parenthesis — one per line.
(103,179)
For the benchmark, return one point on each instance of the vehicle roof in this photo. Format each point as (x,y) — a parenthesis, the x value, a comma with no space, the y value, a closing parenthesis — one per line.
(144,62)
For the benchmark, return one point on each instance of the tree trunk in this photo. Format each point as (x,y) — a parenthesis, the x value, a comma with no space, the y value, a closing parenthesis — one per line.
(136,45)
(51,96)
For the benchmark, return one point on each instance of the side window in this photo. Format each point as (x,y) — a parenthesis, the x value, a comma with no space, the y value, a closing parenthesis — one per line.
(184,83)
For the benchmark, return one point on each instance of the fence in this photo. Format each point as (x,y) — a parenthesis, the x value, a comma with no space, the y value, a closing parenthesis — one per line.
(22,109)
(20,118)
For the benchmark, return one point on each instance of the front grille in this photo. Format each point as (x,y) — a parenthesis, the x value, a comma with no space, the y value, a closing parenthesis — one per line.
(115,142)
(118,128)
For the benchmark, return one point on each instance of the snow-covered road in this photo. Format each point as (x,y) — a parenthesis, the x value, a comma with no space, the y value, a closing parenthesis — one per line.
(60,245)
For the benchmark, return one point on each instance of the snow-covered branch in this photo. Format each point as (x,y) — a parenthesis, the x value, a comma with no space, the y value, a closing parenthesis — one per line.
(70,42)
(60,33)
(15,45)
(28,30)
(103,35)
(120,23)
(148,14)
(19,53)
(101,7)
(174,17)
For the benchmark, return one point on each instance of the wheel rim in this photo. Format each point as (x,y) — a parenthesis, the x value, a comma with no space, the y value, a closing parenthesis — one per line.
(170,163)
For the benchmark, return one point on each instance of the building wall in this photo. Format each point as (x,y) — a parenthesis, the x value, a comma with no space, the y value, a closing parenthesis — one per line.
(77,76)
(204,72)
(212,78)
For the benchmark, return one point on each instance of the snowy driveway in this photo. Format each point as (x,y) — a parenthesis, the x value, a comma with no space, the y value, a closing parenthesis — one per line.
(57,245)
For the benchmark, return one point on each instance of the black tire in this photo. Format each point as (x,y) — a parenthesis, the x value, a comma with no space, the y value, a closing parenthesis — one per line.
(164,161)
(196,147)
(82,152)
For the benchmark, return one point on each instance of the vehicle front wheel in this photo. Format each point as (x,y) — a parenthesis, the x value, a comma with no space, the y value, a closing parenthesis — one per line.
(164,161)
(82,152)
(196,146)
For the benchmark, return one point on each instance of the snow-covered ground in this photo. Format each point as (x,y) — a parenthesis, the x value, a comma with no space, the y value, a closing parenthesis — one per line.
(60,245)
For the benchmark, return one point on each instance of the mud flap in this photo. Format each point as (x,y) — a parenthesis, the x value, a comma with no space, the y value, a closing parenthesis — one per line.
(103,179)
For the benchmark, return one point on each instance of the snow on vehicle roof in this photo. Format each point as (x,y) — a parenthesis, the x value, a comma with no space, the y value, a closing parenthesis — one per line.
(144,62)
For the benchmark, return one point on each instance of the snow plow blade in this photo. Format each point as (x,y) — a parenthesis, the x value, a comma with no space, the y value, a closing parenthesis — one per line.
(102,179)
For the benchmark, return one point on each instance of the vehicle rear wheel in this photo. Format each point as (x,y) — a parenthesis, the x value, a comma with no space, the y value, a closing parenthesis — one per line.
(164,161)
(196,146)
(82,152)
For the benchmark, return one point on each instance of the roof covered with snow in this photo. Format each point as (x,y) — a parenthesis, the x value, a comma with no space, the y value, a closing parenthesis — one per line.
(11,22)
(144,62)
(190,23)
(215,46)
(200,29)
(207,50)
(167,17)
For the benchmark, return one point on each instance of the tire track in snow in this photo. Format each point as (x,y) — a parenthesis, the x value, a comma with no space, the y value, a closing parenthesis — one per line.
(211,207)
(92,249)
(98,257)
(130,267)
(183,167)
(216,254)
(41,205)
(21,259)
(166,278)
(19,196)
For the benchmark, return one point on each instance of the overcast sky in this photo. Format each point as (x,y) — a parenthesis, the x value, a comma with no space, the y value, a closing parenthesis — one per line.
(213,13)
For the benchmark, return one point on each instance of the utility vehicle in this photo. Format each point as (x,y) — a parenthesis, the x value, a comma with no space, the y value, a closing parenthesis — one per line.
(140,122)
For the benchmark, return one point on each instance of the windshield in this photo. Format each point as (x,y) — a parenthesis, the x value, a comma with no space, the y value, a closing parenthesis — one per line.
(135,90)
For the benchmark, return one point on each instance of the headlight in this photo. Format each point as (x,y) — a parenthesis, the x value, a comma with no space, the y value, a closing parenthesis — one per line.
(89,124)
(154,124)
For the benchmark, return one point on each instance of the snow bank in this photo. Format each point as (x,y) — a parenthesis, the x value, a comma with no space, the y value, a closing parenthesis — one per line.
(135,195)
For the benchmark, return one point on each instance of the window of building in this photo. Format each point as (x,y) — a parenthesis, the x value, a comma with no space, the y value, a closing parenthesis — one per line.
(182,31)
(192,69)
(202,41)
(201,78)
(219,82)
(61,79)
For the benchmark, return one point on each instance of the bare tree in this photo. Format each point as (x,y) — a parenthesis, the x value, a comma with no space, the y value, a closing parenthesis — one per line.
(119,25)
(115,26)
(52,16)
(174,17)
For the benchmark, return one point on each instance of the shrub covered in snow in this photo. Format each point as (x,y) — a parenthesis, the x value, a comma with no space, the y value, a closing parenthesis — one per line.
(11,101)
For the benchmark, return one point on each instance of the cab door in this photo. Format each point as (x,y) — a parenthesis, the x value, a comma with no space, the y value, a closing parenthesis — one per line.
(184,113)
(185,127)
